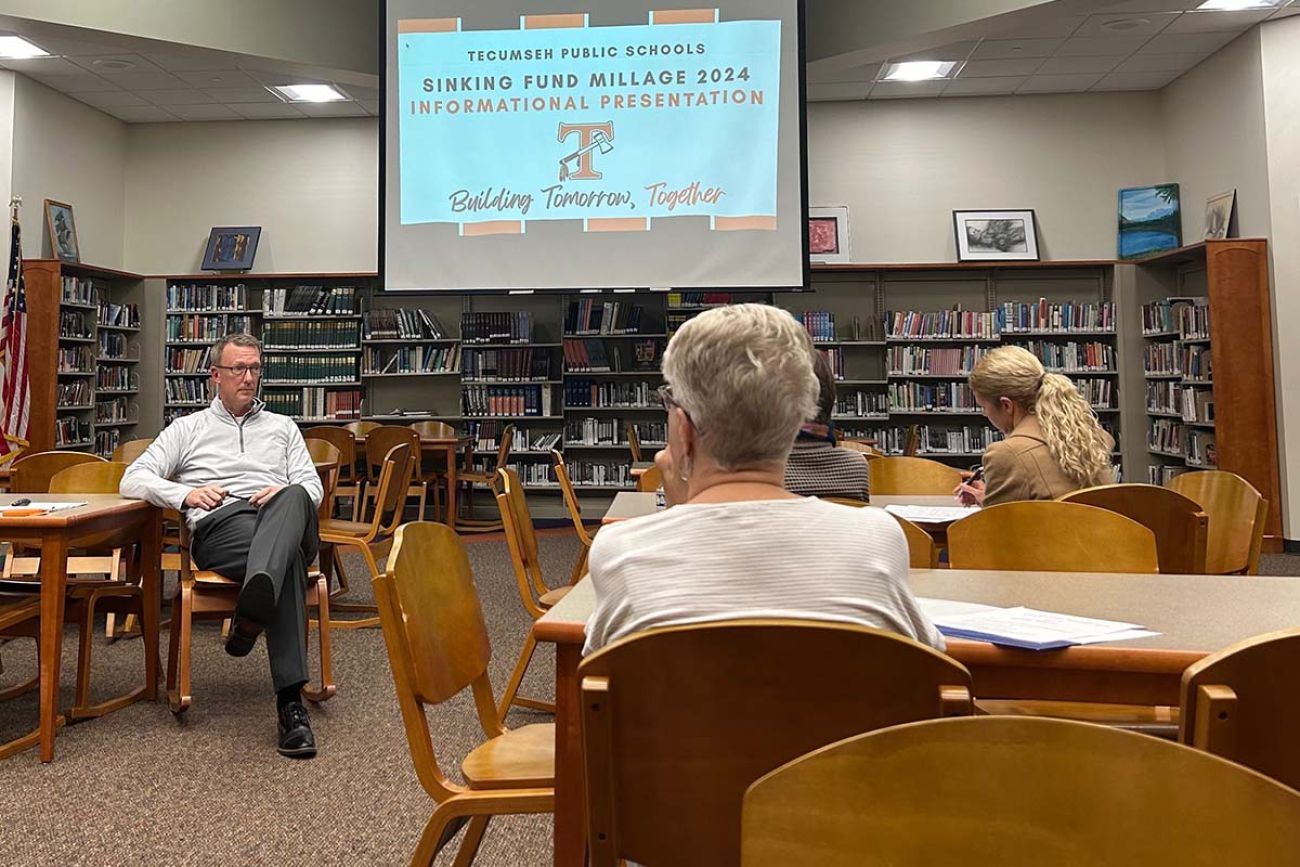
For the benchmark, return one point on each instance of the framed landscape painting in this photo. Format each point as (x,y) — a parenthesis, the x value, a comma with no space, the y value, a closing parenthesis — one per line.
(1150,220)
(995,236)
(828,235)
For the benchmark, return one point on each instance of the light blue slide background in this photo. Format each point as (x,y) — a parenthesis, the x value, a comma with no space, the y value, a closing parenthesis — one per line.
(731,146)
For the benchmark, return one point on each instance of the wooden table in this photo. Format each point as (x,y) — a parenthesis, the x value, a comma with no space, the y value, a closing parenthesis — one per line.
(938,531)
(54,534)
(1196,614)
(449,446)
(630,504)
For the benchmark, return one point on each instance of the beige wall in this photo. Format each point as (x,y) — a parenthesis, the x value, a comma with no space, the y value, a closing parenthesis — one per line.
(67,151)
(312,185)
(903,166)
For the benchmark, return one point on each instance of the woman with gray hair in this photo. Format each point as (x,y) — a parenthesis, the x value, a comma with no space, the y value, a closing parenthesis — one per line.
(735,543)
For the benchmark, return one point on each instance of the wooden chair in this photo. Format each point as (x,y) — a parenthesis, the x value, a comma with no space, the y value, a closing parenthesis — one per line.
(360,428)
(1241,703)
(536,596)
(575,514)
(650,481)
(891,476)
(470,478)
(1178,523)
(434,475)
(1237,512)
(371,538)
(32,474)
(437,646)
(1051,536)
(678,722)
(860,447)
(379,441)
(20,615)
(128,451)
(633,442)
(328,462)
(349,479)
(201,594)
(922,552)
(1006,792)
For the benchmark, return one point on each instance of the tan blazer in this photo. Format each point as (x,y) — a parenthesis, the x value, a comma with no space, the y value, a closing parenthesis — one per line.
(1020,467)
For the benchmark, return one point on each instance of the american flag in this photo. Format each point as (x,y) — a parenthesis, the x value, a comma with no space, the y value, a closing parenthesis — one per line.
(15,390)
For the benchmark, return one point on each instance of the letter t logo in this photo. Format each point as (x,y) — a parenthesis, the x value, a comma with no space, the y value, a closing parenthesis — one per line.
(590,137)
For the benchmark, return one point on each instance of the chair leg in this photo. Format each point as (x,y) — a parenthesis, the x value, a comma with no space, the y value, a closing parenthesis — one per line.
(579,568)
(438,832)
(328,688)
(508,697)
(178,666)
(24,688)
(469,845)
(364,622)
(81,707)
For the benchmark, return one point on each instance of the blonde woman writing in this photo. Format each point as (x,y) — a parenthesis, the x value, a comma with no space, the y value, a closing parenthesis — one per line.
(736,544)
(1053,443)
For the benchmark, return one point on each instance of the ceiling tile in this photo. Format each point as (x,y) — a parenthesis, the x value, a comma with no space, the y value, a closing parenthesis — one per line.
(241,94)
(991,68)
(1015,49)
(43,66)
(1070,65)
(983,86)
(1058,83)
(141,114)
(1188,43)
(146,80)
(110,99)
(1049,27)
(833,92)
(183,96)
(1215,22)
(1097,45)
(370,106)
(951,51)
(1136,80)
(82,82)
(1151,6)
(1160,62)
(1106,26)
(105,64)
(72,47)
(218,78)
(203,112)
(333,109)
(274,77)
(1287,12)
(839,75)
(191,60)
(906,89)
(358,92)
(258,110)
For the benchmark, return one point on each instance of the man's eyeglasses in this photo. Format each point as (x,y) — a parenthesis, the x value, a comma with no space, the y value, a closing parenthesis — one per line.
(238,370)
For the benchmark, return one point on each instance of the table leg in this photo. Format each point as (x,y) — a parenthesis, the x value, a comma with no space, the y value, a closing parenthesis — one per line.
(54,576)
(570,783)
(151,598)
(451,486)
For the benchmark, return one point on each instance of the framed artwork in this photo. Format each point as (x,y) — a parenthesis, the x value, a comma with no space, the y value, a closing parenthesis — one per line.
(231,248)
(63,231)
(828,235)
(996,236)
(1219,213)
(1150,220)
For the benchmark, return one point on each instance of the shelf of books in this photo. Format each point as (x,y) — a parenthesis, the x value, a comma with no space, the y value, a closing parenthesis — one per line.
(1179,387)
(197,315)
(311,351)
(117,369)
(74,427)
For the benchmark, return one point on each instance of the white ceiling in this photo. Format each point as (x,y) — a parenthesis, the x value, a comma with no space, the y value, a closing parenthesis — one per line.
(1134,45)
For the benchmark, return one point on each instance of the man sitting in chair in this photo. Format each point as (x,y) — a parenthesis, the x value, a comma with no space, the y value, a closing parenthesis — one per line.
(246,484)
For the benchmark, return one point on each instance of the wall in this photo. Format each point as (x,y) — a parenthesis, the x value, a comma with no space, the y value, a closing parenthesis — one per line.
(903,166)
(67,151)
(312,185)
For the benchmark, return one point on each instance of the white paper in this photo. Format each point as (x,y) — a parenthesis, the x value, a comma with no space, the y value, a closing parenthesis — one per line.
(1125,635)
(931,514)
(49,507)
(1033,627)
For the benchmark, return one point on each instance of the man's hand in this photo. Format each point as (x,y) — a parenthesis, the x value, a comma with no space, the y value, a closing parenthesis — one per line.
(675,490)
(261,497)
(207,497)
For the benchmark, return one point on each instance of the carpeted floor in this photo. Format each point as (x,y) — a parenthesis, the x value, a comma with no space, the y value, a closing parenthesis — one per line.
(142,787)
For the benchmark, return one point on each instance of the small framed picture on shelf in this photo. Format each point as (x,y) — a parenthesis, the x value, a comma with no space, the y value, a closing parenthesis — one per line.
(231,248)
(1220,212)
(828,235)
(996,236)
(63,231)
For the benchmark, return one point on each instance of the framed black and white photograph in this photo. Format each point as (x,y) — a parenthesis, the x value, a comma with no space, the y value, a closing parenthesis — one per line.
(1219,213)
(828,235)
(231,248)
(63,231)
(995,236)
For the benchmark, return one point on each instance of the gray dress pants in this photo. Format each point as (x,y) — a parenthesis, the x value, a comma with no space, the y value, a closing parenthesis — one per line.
(279,540)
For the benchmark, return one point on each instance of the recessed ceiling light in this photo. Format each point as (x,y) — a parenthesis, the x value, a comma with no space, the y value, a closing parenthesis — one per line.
(309,92)
(16,48)
(1236,5)
(918,70)
(1122,24)
(115,64)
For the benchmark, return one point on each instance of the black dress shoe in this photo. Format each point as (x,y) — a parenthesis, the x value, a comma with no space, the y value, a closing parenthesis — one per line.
(242,637)
(296,739)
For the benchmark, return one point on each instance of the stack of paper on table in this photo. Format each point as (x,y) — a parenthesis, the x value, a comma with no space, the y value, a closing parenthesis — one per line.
(47,506)
(1026,628)
(931,514)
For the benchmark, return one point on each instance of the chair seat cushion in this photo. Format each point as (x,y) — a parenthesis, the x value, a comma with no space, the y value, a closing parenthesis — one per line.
(520,758)
(550,597)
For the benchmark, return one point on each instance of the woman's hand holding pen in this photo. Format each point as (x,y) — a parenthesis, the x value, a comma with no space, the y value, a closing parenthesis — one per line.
(971,491)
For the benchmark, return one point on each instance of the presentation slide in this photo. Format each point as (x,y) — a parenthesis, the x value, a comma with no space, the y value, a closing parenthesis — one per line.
(529,145)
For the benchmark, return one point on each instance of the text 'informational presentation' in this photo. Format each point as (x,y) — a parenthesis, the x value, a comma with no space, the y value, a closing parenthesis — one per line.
(564,152)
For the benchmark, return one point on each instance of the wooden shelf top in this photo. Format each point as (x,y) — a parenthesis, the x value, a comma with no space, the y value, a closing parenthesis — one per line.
(1187,253)
(962,266)
(237,276)
(82,269)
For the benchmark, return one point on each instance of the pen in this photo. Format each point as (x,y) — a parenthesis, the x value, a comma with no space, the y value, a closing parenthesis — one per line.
(976,474)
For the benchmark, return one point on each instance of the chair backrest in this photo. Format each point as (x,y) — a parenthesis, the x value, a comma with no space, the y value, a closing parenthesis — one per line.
(678,722)
(393,481)
(1051,536)
(570,497)
(92,477)
(922,552)
(504,443)
(903,475)
(434,429)
(650,481)
(633,442)
(1237,512)
(521,539)
(328,463)
(32,474)
(858,446)
(1241,703)
(1004,791)
(436,637)
(912,440)
(1177,522)
(361,428)
(343,440)
(128,451)
(381,439)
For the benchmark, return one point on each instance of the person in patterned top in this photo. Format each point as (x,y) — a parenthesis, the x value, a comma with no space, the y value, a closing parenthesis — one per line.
(816,467)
